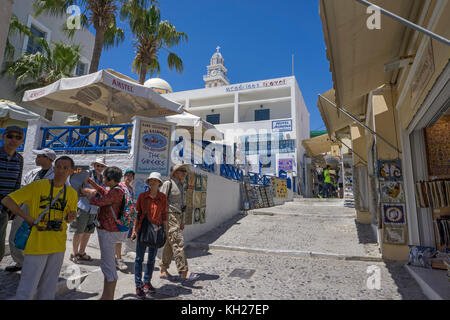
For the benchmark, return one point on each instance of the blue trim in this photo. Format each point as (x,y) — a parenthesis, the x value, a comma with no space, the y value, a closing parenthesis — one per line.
(82,142)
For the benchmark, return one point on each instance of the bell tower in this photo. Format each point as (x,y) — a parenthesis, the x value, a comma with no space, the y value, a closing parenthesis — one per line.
(216,72)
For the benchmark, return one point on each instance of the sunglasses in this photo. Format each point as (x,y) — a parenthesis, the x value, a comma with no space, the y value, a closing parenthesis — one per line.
(13,136)
(183,170)
(100,166)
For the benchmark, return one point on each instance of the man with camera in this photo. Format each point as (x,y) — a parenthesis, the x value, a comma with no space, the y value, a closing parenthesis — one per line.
(174,247)
(44,159)
(52,204)
(11,166)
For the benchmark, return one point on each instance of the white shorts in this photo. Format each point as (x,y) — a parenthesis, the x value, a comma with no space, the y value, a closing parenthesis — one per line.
(107,241)
(122,237)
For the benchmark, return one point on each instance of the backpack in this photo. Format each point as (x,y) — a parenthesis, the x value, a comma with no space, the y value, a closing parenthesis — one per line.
(126,214)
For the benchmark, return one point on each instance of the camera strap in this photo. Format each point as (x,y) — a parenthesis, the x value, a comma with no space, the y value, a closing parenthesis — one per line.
(52,201)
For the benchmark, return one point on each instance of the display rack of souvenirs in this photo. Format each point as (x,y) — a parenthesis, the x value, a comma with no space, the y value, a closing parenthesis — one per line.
(349,197)
(433,194)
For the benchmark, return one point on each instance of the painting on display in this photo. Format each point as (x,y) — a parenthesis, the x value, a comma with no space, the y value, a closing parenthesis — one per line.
(196,198)
(393,213)
(153,148)
(188,215)
(395,235)
(392,191)
(279,187)
(390,170)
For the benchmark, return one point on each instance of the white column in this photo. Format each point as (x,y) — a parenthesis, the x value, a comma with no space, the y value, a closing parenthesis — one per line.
(236,107)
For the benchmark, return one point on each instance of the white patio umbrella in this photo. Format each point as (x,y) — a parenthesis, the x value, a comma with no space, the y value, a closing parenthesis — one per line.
(189,121)
(10,110)
(106,95)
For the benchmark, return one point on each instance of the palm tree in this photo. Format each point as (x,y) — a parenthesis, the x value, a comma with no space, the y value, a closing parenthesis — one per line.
(43,68)
(99,13)
(4,21)
(152,35)
(15,26)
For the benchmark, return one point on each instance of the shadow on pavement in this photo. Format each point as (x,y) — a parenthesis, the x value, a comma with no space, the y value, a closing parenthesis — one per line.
(407,286)
(365,233)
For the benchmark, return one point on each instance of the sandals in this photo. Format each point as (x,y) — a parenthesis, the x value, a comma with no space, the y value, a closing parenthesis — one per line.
(192,277)
(168,277)
(74,258)
(84,257)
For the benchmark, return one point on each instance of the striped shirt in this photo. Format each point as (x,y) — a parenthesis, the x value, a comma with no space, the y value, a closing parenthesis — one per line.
(10,172)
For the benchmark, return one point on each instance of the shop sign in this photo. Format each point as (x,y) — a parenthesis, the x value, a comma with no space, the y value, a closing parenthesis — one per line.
(256,85)
(282,125)
(285,164)
(153,148)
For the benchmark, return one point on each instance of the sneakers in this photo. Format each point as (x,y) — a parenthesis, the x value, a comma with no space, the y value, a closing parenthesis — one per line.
(120,265)
(140,292)
(13,268)
(149,289)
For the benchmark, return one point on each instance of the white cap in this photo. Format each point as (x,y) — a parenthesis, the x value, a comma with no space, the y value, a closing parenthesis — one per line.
(49,153)
(100,159)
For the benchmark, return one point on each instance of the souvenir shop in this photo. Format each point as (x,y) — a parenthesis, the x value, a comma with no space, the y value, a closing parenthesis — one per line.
(429,185)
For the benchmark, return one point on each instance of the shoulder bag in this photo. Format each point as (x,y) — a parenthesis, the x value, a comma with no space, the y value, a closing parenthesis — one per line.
(151,235)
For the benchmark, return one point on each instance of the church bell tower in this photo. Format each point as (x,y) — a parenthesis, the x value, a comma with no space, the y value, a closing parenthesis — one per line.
(216,72)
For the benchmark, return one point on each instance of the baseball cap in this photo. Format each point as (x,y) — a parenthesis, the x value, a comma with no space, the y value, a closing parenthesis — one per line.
(13,129)
(129,171)
(49,153)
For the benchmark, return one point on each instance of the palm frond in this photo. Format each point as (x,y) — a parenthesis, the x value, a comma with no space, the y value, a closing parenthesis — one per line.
(174,61)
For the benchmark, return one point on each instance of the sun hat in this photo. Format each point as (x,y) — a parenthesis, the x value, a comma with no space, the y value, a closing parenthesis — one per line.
(100,160)
(49,153)
(178,167)
(154,175)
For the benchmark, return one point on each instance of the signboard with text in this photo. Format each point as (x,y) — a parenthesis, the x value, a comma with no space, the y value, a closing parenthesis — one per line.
(153,148)
(282,125)
(285,164)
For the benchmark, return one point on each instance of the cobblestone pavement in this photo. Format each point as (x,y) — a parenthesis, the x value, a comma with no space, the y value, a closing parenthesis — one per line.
(271,274)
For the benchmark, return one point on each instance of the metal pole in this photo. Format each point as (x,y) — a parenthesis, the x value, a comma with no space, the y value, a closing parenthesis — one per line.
(407,22)
(351,150)
(348,114)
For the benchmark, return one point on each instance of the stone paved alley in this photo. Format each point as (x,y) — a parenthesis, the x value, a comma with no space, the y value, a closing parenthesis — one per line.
(305,249)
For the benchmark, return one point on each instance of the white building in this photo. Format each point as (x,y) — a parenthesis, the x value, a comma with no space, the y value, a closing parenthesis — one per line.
(250,114)
(50,28)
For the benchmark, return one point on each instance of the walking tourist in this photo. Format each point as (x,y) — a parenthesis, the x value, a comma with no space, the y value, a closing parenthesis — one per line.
(151,207)
(111,205)
(84,224)
(11,166)
(174,247)
(44,159)
(130,212)
(327,188)
(44,250)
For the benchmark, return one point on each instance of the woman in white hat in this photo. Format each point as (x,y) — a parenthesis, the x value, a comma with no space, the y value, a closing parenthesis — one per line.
(152,207)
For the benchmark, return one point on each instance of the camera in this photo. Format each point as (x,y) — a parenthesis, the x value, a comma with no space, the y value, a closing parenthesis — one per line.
(54,225)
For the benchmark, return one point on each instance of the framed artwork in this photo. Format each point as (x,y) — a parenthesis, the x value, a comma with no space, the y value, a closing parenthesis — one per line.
(393,213)
(204,183)
(203,200)
(191,180)
(188,215)
(390,170)
(203,215)
(394,235)
(392,191)
(190,198)
(198,182)
(197,215)
(197,202)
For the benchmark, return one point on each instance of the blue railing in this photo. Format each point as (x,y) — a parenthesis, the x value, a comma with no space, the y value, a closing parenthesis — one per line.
(97,139)
(19,149)
(256,178)
(231,172)
(206,167)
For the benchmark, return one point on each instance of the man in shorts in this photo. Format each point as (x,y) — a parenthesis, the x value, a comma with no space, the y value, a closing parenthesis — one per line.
(84,224)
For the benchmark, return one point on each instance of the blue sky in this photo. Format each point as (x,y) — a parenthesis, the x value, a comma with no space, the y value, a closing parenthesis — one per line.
(257,40)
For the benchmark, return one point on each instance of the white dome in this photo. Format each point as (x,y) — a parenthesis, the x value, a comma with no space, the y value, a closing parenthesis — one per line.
(158,83)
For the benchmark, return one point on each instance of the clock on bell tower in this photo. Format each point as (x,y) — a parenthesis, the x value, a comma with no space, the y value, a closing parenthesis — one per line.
(217,73)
